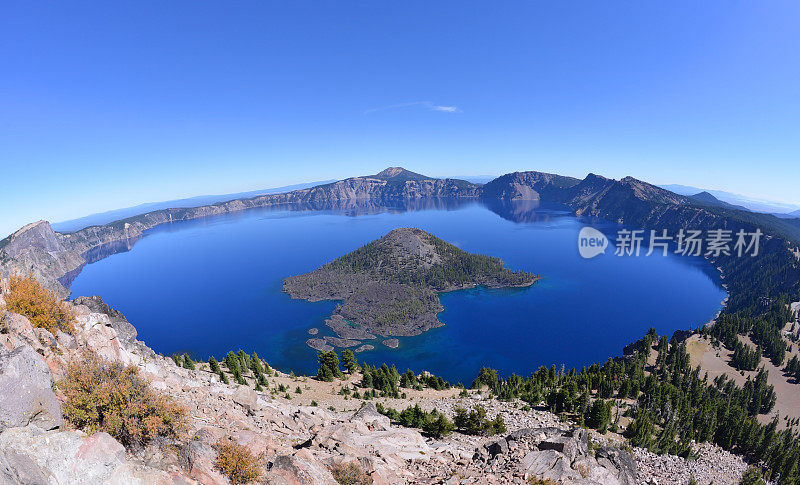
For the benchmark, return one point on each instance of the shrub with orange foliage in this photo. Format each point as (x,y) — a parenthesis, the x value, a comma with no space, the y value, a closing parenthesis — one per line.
(41,306)
(111,397)
(237,462)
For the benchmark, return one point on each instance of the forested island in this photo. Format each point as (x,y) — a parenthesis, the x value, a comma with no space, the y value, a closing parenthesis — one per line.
(390,286)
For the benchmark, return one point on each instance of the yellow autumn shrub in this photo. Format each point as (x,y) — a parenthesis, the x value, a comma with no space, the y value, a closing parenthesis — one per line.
(41,306)
(111,397)
(237,462)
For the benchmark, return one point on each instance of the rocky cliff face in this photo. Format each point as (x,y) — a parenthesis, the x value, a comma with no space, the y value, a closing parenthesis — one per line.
(38,250)
(529,186)
(381,188)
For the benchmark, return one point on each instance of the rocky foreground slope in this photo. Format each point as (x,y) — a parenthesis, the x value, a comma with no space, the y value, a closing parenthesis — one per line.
(298,443)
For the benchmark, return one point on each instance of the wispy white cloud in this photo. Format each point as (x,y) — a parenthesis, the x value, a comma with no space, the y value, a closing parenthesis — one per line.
(430,106)
(446,109)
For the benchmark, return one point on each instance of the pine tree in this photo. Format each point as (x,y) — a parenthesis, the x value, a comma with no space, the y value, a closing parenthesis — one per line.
(438,426)
(349,361)
(231,362)
(255,365)
(366,380)
(640,431)
(213,365)
(325,374)
(188,363)
(599,415)
(244,361)
(329,366)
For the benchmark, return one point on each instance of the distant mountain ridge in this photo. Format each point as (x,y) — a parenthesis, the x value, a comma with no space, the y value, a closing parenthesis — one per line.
(197,201)
(749,203)
(399,174)
(629,201)
(707,198)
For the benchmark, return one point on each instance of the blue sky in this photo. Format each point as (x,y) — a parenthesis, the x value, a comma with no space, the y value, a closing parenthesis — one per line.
(111,104)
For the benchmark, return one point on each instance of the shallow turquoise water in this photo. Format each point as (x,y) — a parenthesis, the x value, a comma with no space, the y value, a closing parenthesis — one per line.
(214,285)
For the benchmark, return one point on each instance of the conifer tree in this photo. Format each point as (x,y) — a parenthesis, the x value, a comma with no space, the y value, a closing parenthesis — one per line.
(349,361)
(366,379)
(255,365)
(329,366)
(244,361)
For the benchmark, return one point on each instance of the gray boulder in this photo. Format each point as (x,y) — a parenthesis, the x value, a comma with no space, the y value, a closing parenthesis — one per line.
(19,468)
(369,415)
(563,456)
(26,391)
(498,447)
(566,445)
(197,458)
(247,398)
(548,465)
(619,461)
(299,468)
(534,433)
(37,457)
(581,437)
(21,329)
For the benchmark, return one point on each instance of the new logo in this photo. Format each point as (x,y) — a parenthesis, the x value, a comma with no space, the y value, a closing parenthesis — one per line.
(591,242)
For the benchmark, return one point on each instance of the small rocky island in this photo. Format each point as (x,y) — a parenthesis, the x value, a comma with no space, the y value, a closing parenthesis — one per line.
(390,287)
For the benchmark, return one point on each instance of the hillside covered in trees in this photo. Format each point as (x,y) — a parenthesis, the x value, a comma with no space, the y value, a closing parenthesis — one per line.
(389,286)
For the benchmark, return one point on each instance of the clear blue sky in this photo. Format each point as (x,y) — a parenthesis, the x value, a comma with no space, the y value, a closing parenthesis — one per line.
(110,104)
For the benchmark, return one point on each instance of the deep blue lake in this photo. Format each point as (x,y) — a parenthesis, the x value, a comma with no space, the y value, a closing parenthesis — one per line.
(213,285)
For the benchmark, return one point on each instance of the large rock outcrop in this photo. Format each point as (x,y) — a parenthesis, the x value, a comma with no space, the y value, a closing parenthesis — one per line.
(70,457)
(562,456)
(26,391)
(125,333)
(36,249)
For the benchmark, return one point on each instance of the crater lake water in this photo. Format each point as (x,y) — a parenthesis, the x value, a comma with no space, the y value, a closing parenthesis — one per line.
(212,285)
